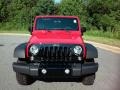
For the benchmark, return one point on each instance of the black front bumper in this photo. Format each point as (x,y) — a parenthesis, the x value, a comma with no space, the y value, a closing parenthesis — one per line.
(55,69)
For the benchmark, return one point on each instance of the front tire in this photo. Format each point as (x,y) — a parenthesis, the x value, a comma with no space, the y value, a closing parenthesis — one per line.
(89,79)
(24,79)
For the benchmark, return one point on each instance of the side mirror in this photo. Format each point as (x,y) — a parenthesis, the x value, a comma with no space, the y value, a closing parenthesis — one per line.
(83,29)
(30,29)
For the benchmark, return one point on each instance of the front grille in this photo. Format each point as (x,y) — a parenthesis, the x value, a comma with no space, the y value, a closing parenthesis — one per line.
(55,53)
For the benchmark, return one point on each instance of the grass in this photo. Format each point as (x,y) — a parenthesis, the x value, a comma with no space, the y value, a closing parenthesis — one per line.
(89,36)
(104,40)
(103,37)
(107,34)
(12,27)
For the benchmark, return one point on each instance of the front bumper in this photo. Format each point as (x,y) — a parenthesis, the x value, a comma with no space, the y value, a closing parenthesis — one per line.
(55,69)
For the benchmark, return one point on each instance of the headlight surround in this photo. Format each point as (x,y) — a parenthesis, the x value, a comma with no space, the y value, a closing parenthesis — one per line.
(77,50)
(34,50)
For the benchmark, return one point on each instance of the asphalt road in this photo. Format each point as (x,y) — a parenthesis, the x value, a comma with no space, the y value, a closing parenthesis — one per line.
(107,77)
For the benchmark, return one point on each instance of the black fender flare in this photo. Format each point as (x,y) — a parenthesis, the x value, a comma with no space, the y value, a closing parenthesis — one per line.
(91,51)
(19,51)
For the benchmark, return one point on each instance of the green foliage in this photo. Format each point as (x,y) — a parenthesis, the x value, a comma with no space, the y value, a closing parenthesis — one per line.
(70,7)
(73,7)
(4,12)
(100,15)
(22,12)
(103,15)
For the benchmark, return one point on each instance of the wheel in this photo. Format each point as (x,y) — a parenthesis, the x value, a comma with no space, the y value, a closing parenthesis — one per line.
(89,79)
(24,79)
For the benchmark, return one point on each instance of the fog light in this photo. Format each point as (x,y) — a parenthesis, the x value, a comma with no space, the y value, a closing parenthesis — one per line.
(79,58)
(44,71)
(67,71)
(32,58)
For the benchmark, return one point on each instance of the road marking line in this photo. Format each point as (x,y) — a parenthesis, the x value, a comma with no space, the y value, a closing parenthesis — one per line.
(99,45)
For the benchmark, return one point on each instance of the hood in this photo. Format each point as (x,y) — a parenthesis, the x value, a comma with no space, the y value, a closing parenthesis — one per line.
(56,37)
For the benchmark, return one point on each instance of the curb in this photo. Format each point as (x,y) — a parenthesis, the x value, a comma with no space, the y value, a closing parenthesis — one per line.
(15,34)
(105,47)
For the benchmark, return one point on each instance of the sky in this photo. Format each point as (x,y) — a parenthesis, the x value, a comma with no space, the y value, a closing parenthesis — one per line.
(57,1)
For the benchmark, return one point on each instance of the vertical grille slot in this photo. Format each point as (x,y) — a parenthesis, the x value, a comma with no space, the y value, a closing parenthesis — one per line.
(60,53)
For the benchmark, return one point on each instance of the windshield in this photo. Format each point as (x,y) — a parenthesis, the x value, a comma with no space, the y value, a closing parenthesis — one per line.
(57,24)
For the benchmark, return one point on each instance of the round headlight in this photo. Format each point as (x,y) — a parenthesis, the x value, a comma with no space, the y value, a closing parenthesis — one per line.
(34,49)
(77,50)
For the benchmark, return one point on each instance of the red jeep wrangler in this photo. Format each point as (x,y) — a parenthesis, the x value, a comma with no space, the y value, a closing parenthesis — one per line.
(55,50)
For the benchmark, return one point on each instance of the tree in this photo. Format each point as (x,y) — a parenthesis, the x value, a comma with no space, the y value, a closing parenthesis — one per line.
(70,7)
(43,7)
(21,12)
(4,10)
(73,7)
(103,14)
